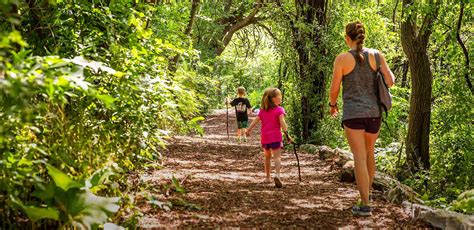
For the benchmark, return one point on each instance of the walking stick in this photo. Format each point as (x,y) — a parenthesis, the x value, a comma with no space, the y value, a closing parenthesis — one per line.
(296,154)
(227,113)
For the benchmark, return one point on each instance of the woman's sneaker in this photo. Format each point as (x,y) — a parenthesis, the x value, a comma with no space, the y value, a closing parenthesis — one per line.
(361,210)
(278,183)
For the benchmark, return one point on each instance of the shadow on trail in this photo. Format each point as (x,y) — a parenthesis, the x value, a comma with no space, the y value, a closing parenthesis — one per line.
(224,178)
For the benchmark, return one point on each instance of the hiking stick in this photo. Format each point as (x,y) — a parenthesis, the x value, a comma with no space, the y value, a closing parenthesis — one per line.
(296,154)
(227,113)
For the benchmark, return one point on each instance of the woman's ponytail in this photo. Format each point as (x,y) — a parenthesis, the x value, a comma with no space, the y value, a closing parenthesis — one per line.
(356,31)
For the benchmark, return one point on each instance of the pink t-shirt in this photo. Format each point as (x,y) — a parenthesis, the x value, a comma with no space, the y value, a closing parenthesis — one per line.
(270,131)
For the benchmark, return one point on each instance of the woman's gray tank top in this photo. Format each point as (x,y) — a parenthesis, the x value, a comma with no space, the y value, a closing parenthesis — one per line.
(358,91)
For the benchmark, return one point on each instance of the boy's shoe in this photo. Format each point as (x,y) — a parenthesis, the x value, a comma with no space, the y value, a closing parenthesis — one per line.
(245,139)
(267,181)
(278,183)
(361,210)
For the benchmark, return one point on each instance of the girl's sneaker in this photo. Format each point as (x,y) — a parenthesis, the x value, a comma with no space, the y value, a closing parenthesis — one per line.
(267,181)
(361,210)
(278,183)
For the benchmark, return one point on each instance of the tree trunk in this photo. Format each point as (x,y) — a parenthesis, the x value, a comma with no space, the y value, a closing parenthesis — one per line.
(464,49)
(194,9)
(415,43)
(312,79)
(420,109)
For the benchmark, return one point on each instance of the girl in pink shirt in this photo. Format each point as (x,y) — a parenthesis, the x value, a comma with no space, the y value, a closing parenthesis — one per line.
(272,117)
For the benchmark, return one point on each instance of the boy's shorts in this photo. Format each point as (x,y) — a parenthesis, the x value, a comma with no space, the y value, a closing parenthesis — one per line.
(242,124)
(273,145)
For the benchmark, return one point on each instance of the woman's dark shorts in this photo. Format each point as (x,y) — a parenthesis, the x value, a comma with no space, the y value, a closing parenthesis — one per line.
(370,125)
(273,145)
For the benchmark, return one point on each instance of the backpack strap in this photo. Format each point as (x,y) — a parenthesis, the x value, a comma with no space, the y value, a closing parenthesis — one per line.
(377,60)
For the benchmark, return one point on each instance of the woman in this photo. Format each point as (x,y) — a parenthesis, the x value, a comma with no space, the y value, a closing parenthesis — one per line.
(361,113)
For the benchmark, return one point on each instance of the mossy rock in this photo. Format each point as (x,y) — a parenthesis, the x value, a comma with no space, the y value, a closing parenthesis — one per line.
(465,202)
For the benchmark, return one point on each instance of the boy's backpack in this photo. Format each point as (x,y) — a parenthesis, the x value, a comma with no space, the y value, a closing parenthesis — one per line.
(384,97)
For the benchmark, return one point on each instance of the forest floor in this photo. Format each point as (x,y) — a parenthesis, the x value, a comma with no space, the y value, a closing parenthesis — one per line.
(223,183)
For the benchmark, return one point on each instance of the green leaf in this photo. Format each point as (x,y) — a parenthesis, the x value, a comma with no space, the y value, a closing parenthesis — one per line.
(61,180)
(85,207)
(177,186)
(35,213)
(108,100)
(45,192)
(15,36)
(162,205)
(99,177)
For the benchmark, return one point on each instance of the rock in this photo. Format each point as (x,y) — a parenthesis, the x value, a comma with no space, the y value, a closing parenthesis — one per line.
(347,174)
(395,191)
(440,218)
(325,152)
(341,157)
(308,148)
(344,154)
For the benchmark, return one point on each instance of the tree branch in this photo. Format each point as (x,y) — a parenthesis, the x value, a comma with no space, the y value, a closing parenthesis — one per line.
(229,32)
(172,66)
(407,26)
(464,49)
(428,21)
(267,30)
(395,14)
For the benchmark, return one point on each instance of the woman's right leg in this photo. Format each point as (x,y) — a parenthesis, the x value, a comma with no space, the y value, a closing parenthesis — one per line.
(268,157)
(356,139)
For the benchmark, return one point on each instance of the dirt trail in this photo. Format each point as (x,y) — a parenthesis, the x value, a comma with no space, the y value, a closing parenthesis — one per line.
(224,187)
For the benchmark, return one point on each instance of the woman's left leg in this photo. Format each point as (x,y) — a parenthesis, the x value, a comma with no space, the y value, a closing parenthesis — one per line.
(370,139)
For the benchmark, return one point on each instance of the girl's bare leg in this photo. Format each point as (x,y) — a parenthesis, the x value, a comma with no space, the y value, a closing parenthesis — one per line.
(267,165)
(277,159)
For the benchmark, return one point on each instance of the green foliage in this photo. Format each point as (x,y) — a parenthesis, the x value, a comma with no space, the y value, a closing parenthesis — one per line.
(69,202)
(106,98)
(465,202)
(87,95)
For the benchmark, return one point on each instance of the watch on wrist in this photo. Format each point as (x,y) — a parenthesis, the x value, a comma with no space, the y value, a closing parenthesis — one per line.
(332,105)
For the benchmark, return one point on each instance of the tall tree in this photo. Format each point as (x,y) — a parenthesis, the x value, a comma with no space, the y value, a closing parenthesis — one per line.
(415,39)
(307,27)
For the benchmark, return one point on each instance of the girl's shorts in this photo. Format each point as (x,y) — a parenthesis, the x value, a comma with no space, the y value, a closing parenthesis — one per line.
(273,145)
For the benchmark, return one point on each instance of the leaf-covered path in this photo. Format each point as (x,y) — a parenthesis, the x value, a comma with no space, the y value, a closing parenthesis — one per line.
(224,187)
